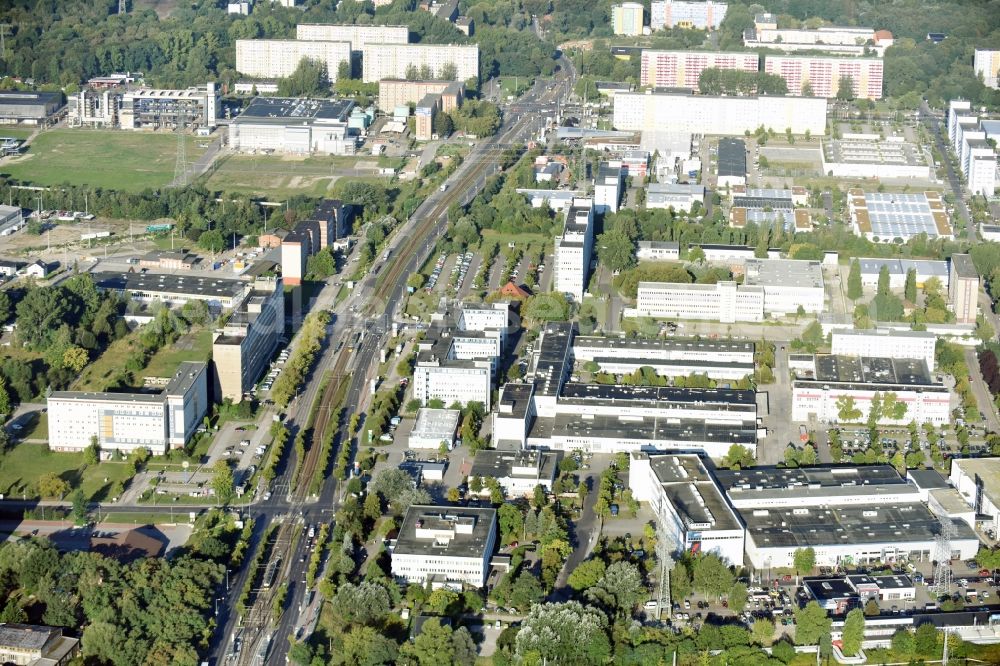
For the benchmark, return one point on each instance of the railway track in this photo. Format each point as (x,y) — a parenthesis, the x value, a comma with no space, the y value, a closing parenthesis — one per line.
(321,427)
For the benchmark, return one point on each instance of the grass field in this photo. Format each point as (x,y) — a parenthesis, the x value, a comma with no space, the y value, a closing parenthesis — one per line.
(21,467)
(101,158)
(286,175)
(16,132)
(99,375)
(194,346)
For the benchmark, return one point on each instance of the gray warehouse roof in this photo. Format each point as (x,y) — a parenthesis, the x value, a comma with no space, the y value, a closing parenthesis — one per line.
(181,284)
(732,157)
(283,109)
(445,518)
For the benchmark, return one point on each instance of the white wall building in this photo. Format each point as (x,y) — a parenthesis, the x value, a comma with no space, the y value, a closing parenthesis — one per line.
(573,250)
(517,472)
(705,114)
(978,481)
(829,39)
(882,343)
(674,357)
(127,421)
(11,219)
(815,393)
(434,427)
(626,18)
(446,546)
(679,196)
(788,284)
(823,74)
(682,69)
(357,35)
(725,302)
(295,126)
(698,14)
(453,381)
(986,64)
(278,58)
(608,185)
(391,61)
(658,251)
(687,505)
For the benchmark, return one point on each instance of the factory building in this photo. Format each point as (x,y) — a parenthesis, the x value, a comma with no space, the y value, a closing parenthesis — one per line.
(871,156)
(176,289)
(679,196)
(658,251)
(674,357)
(148,108)
(707,115)
(924,270)
(28,108)
(885,343)
(517,472)
(725,302)
(732,166)
(434,427)
(887,216)
(788,284)
(817,389)
(295,126)
(126,421)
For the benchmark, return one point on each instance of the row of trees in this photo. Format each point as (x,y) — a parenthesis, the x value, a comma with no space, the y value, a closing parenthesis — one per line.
(715,81)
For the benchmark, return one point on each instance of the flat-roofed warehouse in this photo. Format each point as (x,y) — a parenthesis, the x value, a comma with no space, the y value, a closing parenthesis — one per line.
(295,125)
(218,293)
(732,162)
(817,390)
(30,108)
(434,427)
(788,284)
(869,156)
(978,482)
(517,472)
(886,216)
(718,359)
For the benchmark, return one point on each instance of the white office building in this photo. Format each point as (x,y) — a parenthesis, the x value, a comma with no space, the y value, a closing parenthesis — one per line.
(279,58)
(705,114)
(518,472)
(485,317)
(978,482)
(358,36)
(885,343)
(608,185)
(725,302)
(391,61)
(658,251)
(923,269)
(445,546)
(452,381)
(817,389)
(689,508)
(127,421)
(573,250)
(788,284)
(434,427)
(696,14)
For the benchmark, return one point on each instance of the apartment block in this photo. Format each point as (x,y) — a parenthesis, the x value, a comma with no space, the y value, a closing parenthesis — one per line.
(682,69)
(823,73)
(706,114)
(573,249)
(697,14)
(244,346)
(391,61)
(626,18)
(278,58)
(986,64)
(394,93)
(963,289)
(977,158)
(357,35)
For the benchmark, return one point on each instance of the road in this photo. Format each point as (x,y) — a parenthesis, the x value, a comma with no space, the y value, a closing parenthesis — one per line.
(982,392)
(932,123)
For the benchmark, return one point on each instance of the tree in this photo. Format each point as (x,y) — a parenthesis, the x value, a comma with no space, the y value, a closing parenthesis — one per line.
(871,608)
(804,560)
(847,410)
(344,70)
(526,591)
(812,337)
(212,241)
(79,510)
(222,481)
(619,589)
(903,643)
(984,330)
(364,603)
(811,622)
(587,574)
(5,406)
(441,601)
(712,576)
(910,288)
(762,632)
(92,454)
(449,72)
(845,89)
(680,581)
(549,306)
(854,631)
(925,640)
(310,79)
(50,485)
(615,250)
(565,633)
(696,255)
(738,597)
(883,281)
(854,287)
(738,457)
(443,125)
(75,358)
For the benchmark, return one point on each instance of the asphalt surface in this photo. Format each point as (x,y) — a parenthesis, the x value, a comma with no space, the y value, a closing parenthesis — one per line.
(932,122)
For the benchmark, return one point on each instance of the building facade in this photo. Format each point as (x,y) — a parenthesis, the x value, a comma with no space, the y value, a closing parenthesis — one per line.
(127,421)
(29,108)
(445,546)
(147,108)
(882,343)
(295,126)
(725,302)
(682,69)
(452,381)
(705,114)
(822,74)
(986,64)
(392,61)
(279,58)
(626,18)
(573,250)
(393,93)
(244,347)
(358,36)
(697,14)
(847,40)
(963,289)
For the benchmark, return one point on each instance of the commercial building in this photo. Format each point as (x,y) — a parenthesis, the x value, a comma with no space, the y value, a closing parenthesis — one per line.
(29,108)
(923,269)
(822,74)
(169,260)
(674,357)
(11,219)
(36,645)
(608,186)
(847,40)
(452,380)
(725,302)
(148,108)
(391,61)
(679,196)
(243,348)
(127,421)
(697,14)
(986,64)
(817,390)
(358,36)
(883,588)
(626,18)
(732,167)
(433,428)
(446,546)
(682,69)
(870,156)
(963,289)
(294,126)
(573,248)
(705,114)
(658,251)
(978,482)
(887,216)
(689,508)
(279,58)
(885,343)
(557,200)
(769,207)
(517,472)
(175,289)
(787,284)
(393,93)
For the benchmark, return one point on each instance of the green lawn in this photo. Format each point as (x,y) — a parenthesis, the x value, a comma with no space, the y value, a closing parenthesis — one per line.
(21,467)
(283,176)
(15,132)
(194,346)
(39,427)
(102,372)
(102,158)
